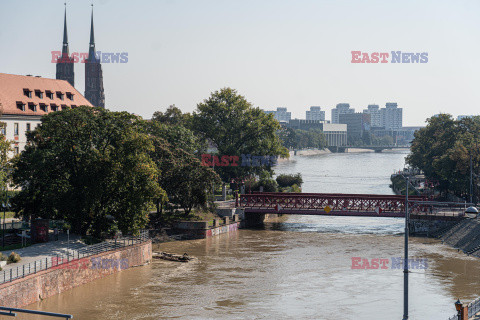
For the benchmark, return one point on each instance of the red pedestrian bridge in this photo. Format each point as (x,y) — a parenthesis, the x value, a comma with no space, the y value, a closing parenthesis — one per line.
(339,204)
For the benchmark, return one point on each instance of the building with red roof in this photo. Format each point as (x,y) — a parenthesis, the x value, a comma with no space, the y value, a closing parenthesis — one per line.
(25,99)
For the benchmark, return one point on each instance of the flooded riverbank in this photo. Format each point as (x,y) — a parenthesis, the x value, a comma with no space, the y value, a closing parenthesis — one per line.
(300,268)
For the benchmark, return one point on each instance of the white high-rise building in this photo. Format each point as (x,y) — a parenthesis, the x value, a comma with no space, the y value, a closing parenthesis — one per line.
(391,116)
(341,108)
(281,114)
(315,113)
(375,116)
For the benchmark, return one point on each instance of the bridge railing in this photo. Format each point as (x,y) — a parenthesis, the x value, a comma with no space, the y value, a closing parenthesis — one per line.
(362,203)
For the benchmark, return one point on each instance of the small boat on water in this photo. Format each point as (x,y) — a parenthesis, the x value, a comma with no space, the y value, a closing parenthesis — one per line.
(173,257)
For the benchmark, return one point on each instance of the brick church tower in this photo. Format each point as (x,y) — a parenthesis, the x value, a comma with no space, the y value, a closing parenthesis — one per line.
(93,75)
(65,62)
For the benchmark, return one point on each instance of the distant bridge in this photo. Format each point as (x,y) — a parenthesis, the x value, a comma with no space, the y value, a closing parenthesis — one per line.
(338,204)
(342,149)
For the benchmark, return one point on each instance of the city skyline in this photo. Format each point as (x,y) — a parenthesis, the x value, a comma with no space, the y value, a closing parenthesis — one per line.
(275,53)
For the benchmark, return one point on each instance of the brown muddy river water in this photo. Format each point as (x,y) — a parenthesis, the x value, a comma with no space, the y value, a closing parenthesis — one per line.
(300,268)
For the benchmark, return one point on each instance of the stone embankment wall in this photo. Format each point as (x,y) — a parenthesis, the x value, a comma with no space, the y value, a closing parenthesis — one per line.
(429,228)
(46,283)
(465,235)
(202,230)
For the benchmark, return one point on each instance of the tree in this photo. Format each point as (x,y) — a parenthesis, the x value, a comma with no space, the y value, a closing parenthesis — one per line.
(185,180)
(236,127)
(172,116)
(176,135)
(87,166)
(443,149)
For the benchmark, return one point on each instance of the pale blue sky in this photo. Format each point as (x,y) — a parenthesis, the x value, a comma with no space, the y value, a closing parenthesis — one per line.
(277,53)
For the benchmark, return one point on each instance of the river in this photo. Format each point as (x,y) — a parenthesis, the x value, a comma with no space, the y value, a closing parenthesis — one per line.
(297,269)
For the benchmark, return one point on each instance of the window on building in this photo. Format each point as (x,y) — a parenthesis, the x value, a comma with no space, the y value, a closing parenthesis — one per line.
(54,107)
(39,94)
(73,106)
(49,94)
(27,93)
(21,106)
(3,129)
(32,106)
(70,96)
(64,107)
(28,127)
(15,128)
(59,95)
(43,107)
(17,151)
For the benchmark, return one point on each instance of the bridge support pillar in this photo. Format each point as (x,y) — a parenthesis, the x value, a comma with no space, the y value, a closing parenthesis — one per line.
(253,219)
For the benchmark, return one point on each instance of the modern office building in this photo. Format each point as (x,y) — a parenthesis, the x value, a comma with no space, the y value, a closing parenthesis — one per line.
(402,136)
(357,123)
(391,116)
(335,133)
(315,113)
(25,99)
(341,108)
(281,114)
(375,116)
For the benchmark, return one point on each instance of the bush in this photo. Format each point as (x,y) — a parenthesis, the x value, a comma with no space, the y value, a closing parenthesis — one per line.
(14,258)
(288,180)
(269,185)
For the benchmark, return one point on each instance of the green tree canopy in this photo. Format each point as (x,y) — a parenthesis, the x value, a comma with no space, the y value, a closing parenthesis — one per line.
(236,127)
(176,135)
(443,149)
(185,180)
(85,166)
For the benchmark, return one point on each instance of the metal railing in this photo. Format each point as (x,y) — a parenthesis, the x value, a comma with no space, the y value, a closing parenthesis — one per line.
(11,313)
(59,260)
(14,225)
(473,307)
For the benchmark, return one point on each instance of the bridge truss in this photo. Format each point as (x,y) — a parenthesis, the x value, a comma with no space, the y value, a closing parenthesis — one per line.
(337,204)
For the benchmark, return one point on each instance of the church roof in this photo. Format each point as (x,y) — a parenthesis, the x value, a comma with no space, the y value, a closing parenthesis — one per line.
(37,95)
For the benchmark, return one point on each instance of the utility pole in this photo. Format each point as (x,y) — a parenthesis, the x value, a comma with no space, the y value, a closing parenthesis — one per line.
(471,179)
(405,262)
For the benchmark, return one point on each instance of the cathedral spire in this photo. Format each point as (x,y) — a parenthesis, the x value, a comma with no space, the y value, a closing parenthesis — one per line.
(65,62)
(94,91)
(91,50)
(65,36)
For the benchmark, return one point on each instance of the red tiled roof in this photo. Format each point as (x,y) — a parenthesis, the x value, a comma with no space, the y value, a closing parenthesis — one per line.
(12,92)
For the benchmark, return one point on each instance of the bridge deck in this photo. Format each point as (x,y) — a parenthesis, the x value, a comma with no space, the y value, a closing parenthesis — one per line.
(337,204)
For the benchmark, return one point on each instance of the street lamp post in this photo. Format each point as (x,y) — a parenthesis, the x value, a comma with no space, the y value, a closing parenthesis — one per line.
(405,263)
(458,306)
(471,179)
(4,222)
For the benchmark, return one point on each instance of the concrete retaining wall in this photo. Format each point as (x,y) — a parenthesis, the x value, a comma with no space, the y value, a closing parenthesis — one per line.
(210,232)
(464,236)
(46,283)
(421,227)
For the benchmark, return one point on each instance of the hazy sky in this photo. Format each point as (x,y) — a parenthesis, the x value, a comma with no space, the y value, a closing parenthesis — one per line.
(277,53)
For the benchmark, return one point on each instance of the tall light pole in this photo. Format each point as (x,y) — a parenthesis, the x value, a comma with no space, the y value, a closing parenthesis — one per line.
(405,262)
(471,179)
